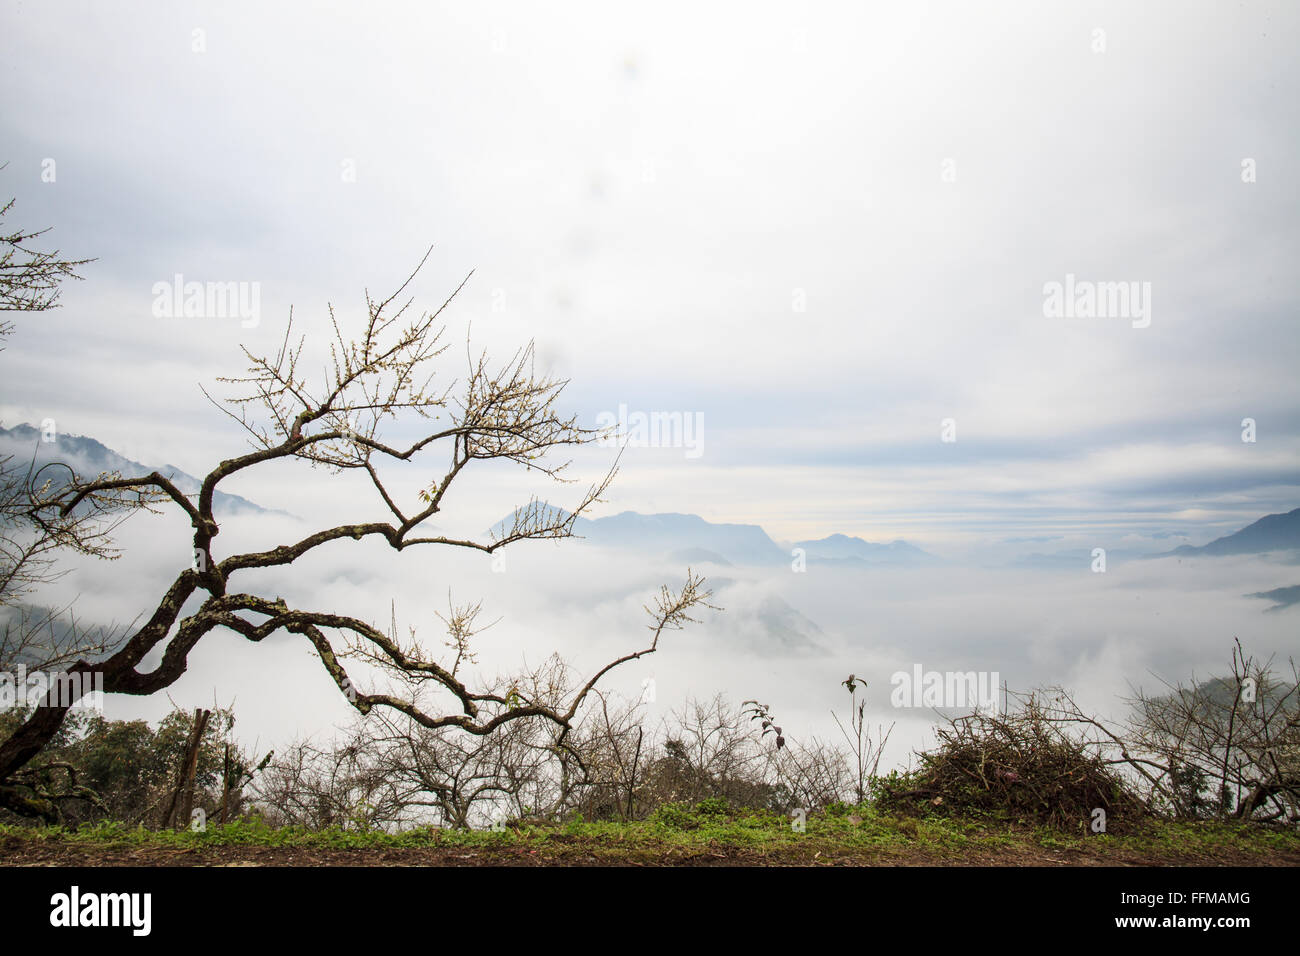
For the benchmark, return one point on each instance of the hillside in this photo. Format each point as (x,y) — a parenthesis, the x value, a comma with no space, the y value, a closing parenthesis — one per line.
(846,550)
(683,837)
(1279,532)
(89,457)
(698,540)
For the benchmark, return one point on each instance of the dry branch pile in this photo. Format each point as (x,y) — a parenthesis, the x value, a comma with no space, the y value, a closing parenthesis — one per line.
(1020,766)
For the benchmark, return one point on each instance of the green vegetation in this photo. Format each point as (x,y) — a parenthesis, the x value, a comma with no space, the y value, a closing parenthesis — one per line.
(840,833)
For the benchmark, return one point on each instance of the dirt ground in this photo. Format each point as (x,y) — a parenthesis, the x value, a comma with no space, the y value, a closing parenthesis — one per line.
(18,852)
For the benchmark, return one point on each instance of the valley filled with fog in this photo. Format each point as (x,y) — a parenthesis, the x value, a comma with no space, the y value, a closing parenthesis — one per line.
(796,618)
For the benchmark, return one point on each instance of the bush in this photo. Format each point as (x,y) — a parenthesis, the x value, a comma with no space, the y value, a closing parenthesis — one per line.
(1019,766)
(675,816)
(713,807)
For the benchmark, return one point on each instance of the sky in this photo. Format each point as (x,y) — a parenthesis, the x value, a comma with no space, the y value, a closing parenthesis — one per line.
(828,236)
(823,232)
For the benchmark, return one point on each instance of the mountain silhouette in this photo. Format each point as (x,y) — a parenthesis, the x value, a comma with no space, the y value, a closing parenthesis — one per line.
(1282,597)
(88,457)
(1280,532)
(844,549)
(699,540)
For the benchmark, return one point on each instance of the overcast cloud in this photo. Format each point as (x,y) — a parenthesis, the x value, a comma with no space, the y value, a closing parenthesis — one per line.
(648,201)
(824,231)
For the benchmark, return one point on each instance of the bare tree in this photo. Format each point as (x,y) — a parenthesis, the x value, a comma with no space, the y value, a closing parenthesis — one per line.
(32,537)
(812,775)
(507,413)
(1227,747)
(30,279)
(538,767)
(341,784)
(613,751)
(1224,747)
(46,639)
(708,751)
(462,778)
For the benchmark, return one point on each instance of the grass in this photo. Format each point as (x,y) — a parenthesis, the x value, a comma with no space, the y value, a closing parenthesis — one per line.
(676,832)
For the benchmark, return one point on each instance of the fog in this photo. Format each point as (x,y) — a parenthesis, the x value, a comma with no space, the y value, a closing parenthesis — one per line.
(822,233)
(1099,635)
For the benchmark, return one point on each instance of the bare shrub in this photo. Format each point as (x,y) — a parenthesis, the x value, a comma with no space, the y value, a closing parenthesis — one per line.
(1226,747)
(1034,764)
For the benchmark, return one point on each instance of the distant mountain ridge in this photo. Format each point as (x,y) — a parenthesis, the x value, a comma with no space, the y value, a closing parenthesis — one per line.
(1279,532)
(727,544)
(1271,533)
(1282,597)
(737,543)
(90,457)
(844,549)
